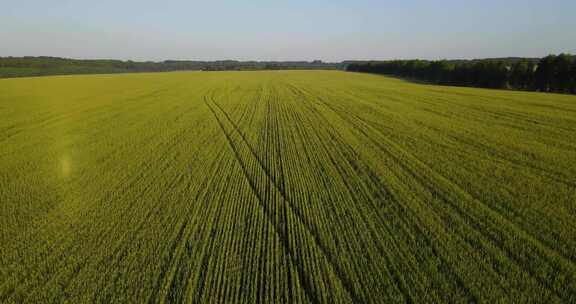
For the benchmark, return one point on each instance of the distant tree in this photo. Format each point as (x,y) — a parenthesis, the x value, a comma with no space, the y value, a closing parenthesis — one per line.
(551,73)
(544,74)
(521,74)
(489,74)
(562,73)
(463,75)
(439,71)
(573,76)
(529,80)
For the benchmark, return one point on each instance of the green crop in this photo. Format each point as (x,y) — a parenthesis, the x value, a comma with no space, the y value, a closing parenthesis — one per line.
(285,186)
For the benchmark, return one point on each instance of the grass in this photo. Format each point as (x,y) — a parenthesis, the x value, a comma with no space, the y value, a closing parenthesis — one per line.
(287,186)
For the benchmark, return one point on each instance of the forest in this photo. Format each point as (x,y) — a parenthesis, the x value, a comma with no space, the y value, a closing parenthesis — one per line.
(553,73)
(44,66)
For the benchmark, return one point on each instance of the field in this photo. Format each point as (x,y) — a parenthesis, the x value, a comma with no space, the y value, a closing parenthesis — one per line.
(285,186)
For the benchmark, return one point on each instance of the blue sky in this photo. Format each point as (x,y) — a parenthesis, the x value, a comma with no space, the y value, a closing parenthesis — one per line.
(286,30)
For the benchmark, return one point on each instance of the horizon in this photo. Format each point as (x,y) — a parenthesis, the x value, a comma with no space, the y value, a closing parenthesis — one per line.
(199,152)
(295,31)
(280,61)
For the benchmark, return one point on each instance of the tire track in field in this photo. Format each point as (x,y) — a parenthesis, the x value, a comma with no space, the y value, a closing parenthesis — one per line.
(397,160)
(381,191)
(553,174)
(168,272)
(207,252)
(498,156)
(526,223)
(470,219)
(64,248)
(345,281)
(307,284)
(505,156)
(120,251)
(248,112)
(371,192)
(52,118)
(348,118)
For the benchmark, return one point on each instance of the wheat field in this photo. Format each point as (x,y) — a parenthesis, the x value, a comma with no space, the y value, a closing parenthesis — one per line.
(283,186)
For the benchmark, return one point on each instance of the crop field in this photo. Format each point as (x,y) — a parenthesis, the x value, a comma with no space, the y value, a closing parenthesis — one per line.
(283,186)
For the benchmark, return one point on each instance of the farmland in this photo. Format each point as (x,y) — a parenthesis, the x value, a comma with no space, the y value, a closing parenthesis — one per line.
(284,186)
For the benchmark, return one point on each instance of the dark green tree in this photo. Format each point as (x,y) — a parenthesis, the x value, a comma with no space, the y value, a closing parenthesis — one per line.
(544,74)
(562,73)
(521,74)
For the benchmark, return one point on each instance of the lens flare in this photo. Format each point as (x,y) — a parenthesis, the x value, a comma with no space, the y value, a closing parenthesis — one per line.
(65,166)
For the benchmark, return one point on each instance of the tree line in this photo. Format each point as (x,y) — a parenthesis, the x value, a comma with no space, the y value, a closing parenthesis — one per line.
(40,66)
(553,73)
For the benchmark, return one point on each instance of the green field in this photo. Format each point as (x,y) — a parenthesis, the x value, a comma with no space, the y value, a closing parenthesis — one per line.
(287,186)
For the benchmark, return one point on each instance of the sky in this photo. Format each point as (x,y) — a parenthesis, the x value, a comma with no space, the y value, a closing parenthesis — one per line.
(286,30)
